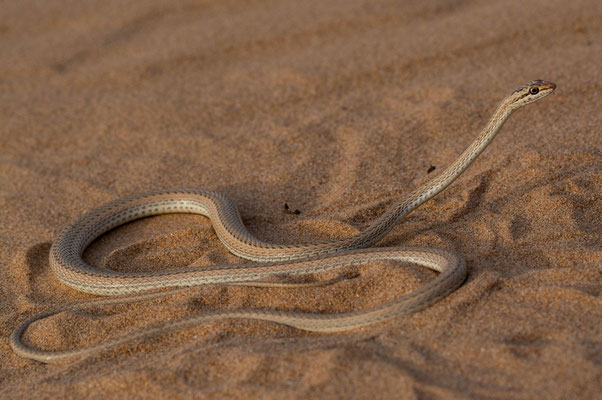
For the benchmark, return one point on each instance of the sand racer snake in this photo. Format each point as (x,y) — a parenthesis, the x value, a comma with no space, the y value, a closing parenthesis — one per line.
(272,260)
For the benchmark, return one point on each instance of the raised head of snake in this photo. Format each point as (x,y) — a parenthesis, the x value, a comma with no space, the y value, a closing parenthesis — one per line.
(521,96)
(529,92)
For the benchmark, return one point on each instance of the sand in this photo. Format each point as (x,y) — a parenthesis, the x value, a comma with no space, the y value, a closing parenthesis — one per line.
(337,109)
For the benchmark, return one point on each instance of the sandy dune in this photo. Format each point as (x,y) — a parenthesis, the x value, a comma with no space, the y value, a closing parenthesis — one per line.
(335,108)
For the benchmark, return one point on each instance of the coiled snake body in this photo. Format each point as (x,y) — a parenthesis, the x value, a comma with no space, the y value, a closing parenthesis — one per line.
(273,260)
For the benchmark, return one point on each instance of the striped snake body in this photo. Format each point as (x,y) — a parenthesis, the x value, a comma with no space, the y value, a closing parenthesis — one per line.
(273,260)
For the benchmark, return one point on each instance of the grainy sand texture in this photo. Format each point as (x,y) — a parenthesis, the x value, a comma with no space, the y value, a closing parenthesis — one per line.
(336,108)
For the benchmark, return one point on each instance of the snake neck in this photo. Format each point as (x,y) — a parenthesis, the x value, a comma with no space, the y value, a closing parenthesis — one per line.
(422,194)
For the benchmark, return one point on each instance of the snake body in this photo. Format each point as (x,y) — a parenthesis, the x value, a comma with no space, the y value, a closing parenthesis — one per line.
(272,260)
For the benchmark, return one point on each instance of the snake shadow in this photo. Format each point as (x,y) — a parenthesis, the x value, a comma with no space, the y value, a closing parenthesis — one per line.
(41,284)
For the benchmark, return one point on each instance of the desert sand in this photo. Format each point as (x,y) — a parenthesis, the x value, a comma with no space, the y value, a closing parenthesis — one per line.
(335,108)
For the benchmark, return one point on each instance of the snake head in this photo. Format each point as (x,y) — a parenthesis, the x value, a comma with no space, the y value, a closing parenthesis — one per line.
(531,92)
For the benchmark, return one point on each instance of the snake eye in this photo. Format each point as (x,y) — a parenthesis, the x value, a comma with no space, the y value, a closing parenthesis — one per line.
(534,90)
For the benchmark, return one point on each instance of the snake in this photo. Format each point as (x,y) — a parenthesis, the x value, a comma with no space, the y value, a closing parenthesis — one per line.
(271,261)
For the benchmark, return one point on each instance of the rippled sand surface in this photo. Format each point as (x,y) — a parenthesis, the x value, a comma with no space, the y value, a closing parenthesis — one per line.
(336,109)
